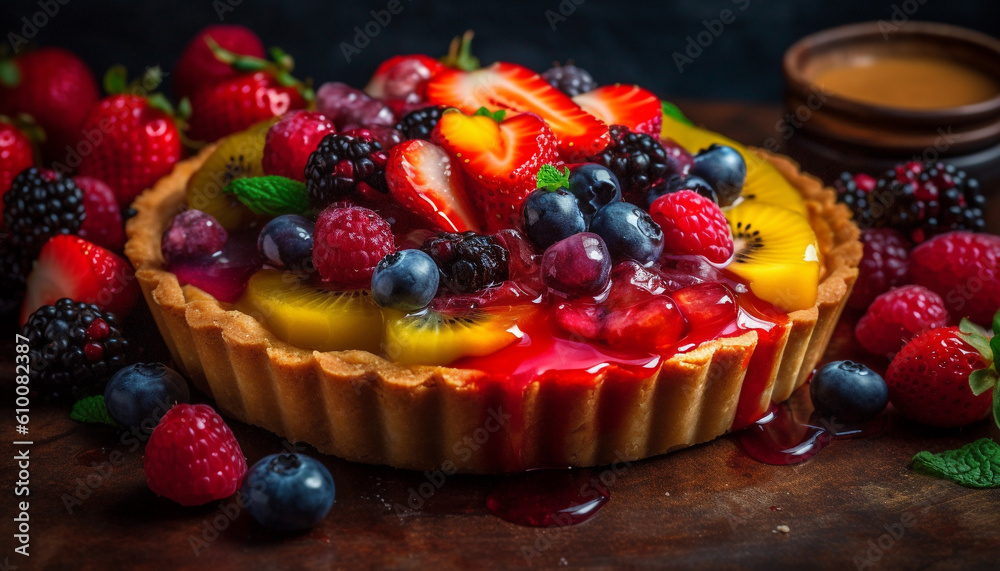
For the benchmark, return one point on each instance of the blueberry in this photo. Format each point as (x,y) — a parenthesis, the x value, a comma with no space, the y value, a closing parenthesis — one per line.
(577,265)
(724,169)
(629,232)
(139,395)
(551,215)
(848,391)
(678,182)
(288,492)
(406,280)
(286,242)
(595,186)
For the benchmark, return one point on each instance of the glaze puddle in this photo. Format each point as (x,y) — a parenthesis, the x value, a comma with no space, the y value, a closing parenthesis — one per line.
(548,498)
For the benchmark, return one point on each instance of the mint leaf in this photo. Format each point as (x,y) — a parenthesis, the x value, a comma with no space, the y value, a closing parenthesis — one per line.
(550,178)
(271,195)
(672,111)
(497,116)
(975,465)
(92,410)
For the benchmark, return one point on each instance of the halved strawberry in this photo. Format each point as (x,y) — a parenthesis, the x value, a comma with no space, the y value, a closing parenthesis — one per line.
(400,76)
(517,88)
(72,267)
(424,179)
(500,156)
(628,105)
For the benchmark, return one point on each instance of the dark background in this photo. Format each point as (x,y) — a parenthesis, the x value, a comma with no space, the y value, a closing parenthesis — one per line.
(618,41)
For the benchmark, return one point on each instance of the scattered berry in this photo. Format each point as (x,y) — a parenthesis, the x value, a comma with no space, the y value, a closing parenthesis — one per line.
(929,380)
(693,225)
(848,391)
(724,169)
(468,261)
(39,205)
(341,164)
(16,155)
(629,232)
(192,457)
(198,67)
(551,215)
(883,266)
(288,492)
(897,316)
(595,186)
(192,234)
(139,395)
(577,265)
(103,224)
(637,159)
(71,353)
(348,243)
(964,269)
(419,124)
(286,242)
(569,79)
(291,140)
(406,280)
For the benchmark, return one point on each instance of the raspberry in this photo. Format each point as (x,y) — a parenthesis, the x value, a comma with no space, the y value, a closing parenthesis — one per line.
(898,315)
(39,205)
(192,234)
(964,269)
(883,266)
(192,457)
(693,225)
(348,243)
(103,224)
(468,261)
(343,164)
(291,140)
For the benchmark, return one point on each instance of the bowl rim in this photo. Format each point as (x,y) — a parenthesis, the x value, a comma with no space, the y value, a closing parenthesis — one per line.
(814,43)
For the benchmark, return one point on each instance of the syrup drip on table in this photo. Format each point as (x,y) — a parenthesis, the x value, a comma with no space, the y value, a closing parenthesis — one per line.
(549,498)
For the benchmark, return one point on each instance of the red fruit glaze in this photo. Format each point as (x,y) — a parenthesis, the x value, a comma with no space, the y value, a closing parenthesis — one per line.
(192,457)
(897,316)
(291,140)
(224,275)
(348,243)
(693,225)
(198,67)
(548,498)
(103,225)
(929,380)
(964,269)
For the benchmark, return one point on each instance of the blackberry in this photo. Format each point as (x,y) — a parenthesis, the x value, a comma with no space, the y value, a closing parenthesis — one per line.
(919,199)
(418,124)
(41,204)
(569,79)
(343,163)
(468,261)
(637,159)
(74,348)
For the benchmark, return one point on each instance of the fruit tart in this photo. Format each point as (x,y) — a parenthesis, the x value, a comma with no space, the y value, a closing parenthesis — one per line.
(477,270)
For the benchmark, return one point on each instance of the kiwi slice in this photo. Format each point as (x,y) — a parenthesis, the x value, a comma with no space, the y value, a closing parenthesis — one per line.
(777,254)
(237,156)
(306,313)
(437,338)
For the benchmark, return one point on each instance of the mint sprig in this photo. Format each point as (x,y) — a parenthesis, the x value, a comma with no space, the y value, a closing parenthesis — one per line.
(975,465)
(270,195)
(551,179)
(92,410)
(497,115)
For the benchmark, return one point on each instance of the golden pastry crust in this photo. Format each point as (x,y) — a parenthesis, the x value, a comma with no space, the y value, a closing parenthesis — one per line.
(364,408)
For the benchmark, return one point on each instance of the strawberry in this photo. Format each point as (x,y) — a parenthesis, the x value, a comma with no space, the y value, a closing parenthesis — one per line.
(70,266)
(423,178)
(16,154)
(56,88)
(198,67)
(628,105)
(291,140)
(264,90)
(500,157)
(516,88)
(135,139)
(103,224)
(929,379)
(403,77)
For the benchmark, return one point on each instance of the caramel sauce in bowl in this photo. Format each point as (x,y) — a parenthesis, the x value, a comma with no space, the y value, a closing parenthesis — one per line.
(866,96)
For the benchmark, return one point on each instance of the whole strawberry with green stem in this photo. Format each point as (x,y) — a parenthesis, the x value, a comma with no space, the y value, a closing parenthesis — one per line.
(198,67)
(262,90)
(134,138)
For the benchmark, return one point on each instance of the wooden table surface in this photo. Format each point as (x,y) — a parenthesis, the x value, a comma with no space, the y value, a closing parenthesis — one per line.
(854,505)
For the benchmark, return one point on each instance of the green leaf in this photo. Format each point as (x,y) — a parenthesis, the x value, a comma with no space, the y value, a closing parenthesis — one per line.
(460,53)
(994,348)
(92,410)
(271,195)
(10,73)
(495,115)
(979,343)
(550,178)
(982,380)
(970,328)
(975,465)
(672,111)
(116,80)
(996,323)
(996,407)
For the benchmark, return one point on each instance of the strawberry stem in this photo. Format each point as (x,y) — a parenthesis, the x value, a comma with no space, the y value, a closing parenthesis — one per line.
(280,69)
(460,53)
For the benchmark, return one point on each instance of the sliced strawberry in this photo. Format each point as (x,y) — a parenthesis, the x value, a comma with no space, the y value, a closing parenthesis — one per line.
(517,88)
(400,76)
(628,105)
(500,156)
(72,267)
(423,178)
(103,224)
